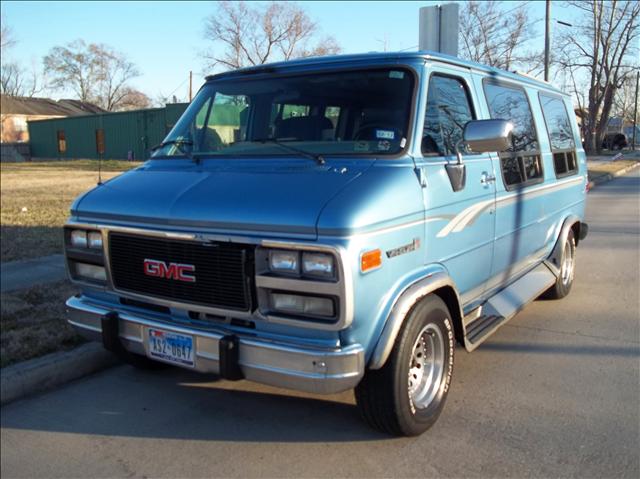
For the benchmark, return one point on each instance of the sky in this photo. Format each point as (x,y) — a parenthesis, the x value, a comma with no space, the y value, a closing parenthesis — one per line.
(166,39)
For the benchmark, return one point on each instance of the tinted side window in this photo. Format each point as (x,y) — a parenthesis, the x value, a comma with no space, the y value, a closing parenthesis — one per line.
(521,164)
(560,135)
(448,110)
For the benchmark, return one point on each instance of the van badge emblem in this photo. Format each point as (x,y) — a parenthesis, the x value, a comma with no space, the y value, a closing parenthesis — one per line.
(414,245)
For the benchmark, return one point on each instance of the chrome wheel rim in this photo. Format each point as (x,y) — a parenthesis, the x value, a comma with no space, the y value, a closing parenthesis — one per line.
(426,366)
(567,264)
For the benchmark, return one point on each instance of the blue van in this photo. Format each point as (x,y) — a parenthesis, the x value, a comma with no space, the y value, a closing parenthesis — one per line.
(336,223)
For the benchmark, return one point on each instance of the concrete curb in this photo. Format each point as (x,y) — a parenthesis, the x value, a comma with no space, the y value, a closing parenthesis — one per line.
(35,375)
(610,176)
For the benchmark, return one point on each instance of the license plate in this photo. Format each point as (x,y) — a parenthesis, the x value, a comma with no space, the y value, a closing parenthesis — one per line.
(171,347)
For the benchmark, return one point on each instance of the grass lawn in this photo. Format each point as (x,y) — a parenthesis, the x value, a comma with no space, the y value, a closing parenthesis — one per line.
(35,201)
(33,322)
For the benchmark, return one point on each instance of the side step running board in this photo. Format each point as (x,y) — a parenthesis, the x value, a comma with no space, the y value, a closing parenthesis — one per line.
(483,326)
(504,305)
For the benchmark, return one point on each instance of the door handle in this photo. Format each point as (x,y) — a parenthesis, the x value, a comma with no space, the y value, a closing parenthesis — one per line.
(486,178)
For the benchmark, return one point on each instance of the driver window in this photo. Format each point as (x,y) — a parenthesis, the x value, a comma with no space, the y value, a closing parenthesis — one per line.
(448,110)
(223,122)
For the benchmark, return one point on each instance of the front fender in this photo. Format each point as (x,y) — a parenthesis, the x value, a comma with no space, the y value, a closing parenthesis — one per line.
(436,278)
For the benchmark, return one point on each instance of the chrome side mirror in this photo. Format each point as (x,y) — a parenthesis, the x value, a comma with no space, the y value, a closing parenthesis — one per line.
(482,136)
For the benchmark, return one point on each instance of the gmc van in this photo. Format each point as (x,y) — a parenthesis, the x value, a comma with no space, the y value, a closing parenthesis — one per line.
(336,223)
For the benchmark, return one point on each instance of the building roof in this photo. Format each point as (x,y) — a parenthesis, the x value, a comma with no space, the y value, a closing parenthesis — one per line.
(45,106)
(381,57)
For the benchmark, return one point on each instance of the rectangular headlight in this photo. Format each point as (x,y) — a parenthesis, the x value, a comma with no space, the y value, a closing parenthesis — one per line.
(302,305)
(94,239)
(318,264)
(283,261)
(91,272)
(79,239)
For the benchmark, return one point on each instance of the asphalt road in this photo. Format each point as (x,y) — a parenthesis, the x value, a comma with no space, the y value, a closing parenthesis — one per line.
(556,392)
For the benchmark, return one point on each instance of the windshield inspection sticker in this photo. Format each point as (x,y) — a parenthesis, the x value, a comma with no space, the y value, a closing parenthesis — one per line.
(385,134)
(384,145)
(396,74)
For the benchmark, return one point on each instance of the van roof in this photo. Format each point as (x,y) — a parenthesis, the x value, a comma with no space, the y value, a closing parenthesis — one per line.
(363,59)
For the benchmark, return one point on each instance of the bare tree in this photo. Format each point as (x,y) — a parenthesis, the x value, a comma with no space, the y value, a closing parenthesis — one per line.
(113,72)
(246,35)
(134,100)
(6,38)
(14,79)
(624,103)
(95,72)
(489,36)
(603,45)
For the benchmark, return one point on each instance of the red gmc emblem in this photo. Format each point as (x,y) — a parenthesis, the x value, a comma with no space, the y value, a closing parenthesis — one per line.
(175,271)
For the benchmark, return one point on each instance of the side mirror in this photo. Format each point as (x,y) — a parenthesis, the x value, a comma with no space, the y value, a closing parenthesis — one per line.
(482,136)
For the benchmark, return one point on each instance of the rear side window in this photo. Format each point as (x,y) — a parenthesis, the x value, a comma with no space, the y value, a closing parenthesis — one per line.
(448,110)
(521,164)
(560,135)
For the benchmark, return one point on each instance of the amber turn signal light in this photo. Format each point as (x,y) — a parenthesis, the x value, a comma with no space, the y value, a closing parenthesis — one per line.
(370,260)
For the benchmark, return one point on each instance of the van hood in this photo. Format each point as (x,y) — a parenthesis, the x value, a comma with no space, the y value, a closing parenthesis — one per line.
(281,198)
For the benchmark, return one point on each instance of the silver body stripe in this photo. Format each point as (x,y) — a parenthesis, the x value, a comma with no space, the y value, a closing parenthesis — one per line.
(467,216)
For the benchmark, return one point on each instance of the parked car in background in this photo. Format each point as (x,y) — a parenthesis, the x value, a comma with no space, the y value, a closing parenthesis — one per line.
(615,141)
(350,221)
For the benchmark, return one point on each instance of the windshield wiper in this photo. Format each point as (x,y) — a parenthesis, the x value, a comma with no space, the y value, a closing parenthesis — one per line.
(178,143)
(315,157)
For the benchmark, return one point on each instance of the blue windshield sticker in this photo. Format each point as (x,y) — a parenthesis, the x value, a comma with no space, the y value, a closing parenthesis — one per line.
(396,74)
(385,134)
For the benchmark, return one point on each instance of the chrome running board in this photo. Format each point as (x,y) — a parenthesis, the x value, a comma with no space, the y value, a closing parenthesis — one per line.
(505,304)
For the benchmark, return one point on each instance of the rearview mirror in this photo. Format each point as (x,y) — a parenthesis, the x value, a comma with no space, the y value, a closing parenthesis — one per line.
(482,136)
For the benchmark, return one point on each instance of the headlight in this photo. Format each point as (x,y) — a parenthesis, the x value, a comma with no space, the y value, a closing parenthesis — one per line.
(91,272)
(302,305)
(94,239)
(79,239)
(283,261)
(318,264)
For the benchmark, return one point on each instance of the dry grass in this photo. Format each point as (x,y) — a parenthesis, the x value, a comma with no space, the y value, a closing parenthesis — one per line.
(33,322)
(35,202)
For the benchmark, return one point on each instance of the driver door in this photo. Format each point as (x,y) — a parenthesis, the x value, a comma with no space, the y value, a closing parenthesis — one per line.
(459,226)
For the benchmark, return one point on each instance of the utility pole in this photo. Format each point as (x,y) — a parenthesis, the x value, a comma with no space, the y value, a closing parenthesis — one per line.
(547,40)
(635,114)
(190,84)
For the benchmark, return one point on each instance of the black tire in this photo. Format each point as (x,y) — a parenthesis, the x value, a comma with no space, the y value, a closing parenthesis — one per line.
(142,362)
(384,396)
(563,284)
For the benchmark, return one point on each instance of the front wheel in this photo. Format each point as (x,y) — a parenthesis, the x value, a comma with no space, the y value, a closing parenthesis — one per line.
(406,396)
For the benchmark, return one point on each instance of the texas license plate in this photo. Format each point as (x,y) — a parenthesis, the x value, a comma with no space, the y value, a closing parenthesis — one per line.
(171,347)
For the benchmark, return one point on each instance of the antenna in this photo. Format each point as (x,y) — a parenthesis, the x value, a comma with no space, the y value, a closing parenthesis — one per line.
(100,147)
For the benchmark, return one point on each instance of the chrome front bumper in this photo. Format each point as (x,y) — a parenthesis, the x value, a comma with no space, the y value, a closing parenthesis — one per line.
(302,368)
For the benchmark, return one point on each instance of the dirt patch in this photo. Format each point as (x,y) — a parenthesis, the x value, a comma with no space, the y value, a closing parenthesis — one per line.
(33,322)
(35,201)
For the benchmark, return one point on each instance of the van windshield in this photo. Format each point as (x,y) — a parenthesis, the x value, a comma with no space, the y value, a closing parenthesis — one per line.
(363,112)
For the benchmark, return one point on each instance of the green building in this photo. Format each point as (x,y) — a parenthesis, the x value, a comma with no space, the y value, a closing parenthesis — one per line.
(120,135)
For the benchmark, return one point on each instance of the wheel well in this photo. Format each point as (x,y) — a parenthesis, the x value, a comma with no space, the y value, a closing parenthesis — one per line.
(576,231)
(449,296)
